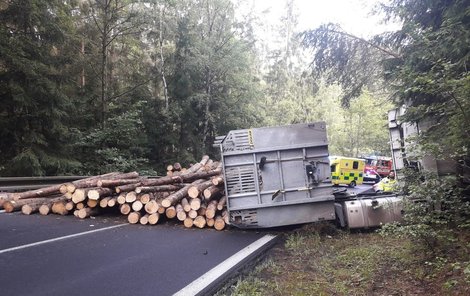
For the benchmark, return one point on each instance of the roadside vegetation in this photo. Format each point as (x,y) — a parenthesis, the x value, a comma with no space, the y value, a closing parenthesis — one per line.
(318,259)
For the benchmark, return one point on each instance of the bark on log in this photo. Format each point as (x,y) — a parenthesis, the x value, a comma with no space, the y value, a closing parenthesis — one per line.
(29,209)
(144,198)
(128,187)
(202,210)
(90,182)
(80,194)
(117,182)
(87,212)
(134,217)
(222,202)
(153,218)
(185,204)
(177,166)
(4,196)
(178,195)
(161,188)
(200,221)
(197,166)
(15,205)
(42,192)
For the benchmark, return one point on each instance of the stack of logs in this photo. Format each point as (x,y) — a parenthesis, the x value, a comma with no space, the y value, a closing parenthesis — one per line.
(194,196)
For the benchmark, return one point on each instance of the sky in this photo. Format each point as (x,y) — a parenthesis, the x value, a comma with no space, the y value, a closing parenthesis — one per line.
(353,15)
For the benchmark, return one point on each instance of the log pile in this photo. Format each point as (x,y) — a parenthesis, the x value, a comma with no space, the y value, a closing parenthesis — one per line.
(193,196)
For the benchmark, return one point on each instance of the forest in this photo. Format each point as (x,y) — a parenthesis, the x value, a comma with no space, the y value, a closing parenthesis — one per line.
(89,87)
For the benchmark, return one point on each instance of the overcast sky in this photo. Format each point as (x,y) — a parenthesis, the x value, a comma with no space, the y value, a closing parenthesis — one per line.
(353,15)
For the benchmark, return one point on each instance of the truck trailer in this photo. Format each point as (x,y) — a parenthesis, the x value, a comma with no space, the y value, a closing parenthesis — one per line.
(278,176)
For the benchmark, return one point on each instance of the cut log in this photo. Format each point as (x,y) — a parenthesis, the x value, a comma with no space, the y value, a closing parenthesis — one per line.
(195,190)
(151,207)
(221,203)
(69,205)
(4,196)
(128,187)
(194,168)
(91,203)
(80,205)
(87,212)
(211,209)
(125,209)
(137,206)
(117,182)
(180,213)
(97,193)
(172,199)
(188,222)
(226,216)
(29,209)
(89,182)
(80,194)
(15,205)
(185,204)
(219,223)
(75,213)
(153,218)
(169,167)
(68,195)
(134,217)
(170,212)
(104,202)
(121,199)
(202,210)
(143,198)
(59,208)
(42,192)
(160,188)
(200,222)
(192,214)
(112,201)
(144,219)
(195,203)
(45,209)
(210,222)
(211,192)
(217,180)
(131,197)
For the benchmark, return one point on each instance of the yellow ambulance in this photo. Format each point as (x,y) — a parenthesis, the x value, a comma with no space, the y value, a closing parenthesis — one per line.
(347,170)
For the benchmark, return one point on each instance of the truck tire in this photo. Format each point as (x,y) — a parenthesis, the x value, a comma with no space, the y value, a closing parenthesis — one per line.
(352,184)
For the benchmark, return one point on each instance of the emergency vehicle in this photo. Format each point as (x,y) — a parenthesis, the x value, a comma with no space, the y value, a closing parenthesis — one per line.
(376,168)
(347,170)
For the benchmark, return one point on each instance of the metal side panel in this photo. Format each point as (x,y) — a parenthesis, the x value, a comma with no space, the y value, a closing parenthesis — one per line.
(365,213)
(281,216)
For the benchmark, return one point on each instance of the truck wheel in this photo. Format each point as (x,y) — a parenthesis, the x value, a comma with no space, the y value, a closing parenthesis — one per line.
(352,184)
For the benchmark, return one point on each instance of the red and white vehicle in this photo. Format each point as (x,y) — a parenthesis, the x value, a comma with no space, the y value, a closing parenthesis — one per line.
(377,167)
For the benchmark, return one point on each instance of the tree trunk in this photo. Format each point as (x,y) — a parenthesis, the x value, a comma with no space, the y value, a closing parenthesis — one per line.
(195,190)
(153,218)
(217,180)
(151,207)
(195,203)
(125,209)
(188,222)
(211,209)
(219,223)
(170,212)
(97,193)
(87,212)
(180,213)
(200,221)
(212,192)
(59,208)
(161,188)
(221,203)
(134,217)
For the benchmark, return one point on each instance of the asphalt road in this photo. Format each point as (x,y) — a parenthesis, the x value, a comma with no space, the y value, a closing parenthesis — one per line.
(55,255)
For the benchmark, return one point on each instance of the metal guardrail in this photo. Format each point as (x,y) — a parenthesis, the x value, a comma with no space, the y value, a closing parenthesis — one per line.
(15,184)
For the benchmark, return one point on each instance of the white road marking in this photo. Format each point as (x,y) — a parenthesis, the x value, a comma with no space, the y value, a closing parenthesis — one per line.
(59,238)
(206,279)
(2,211)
